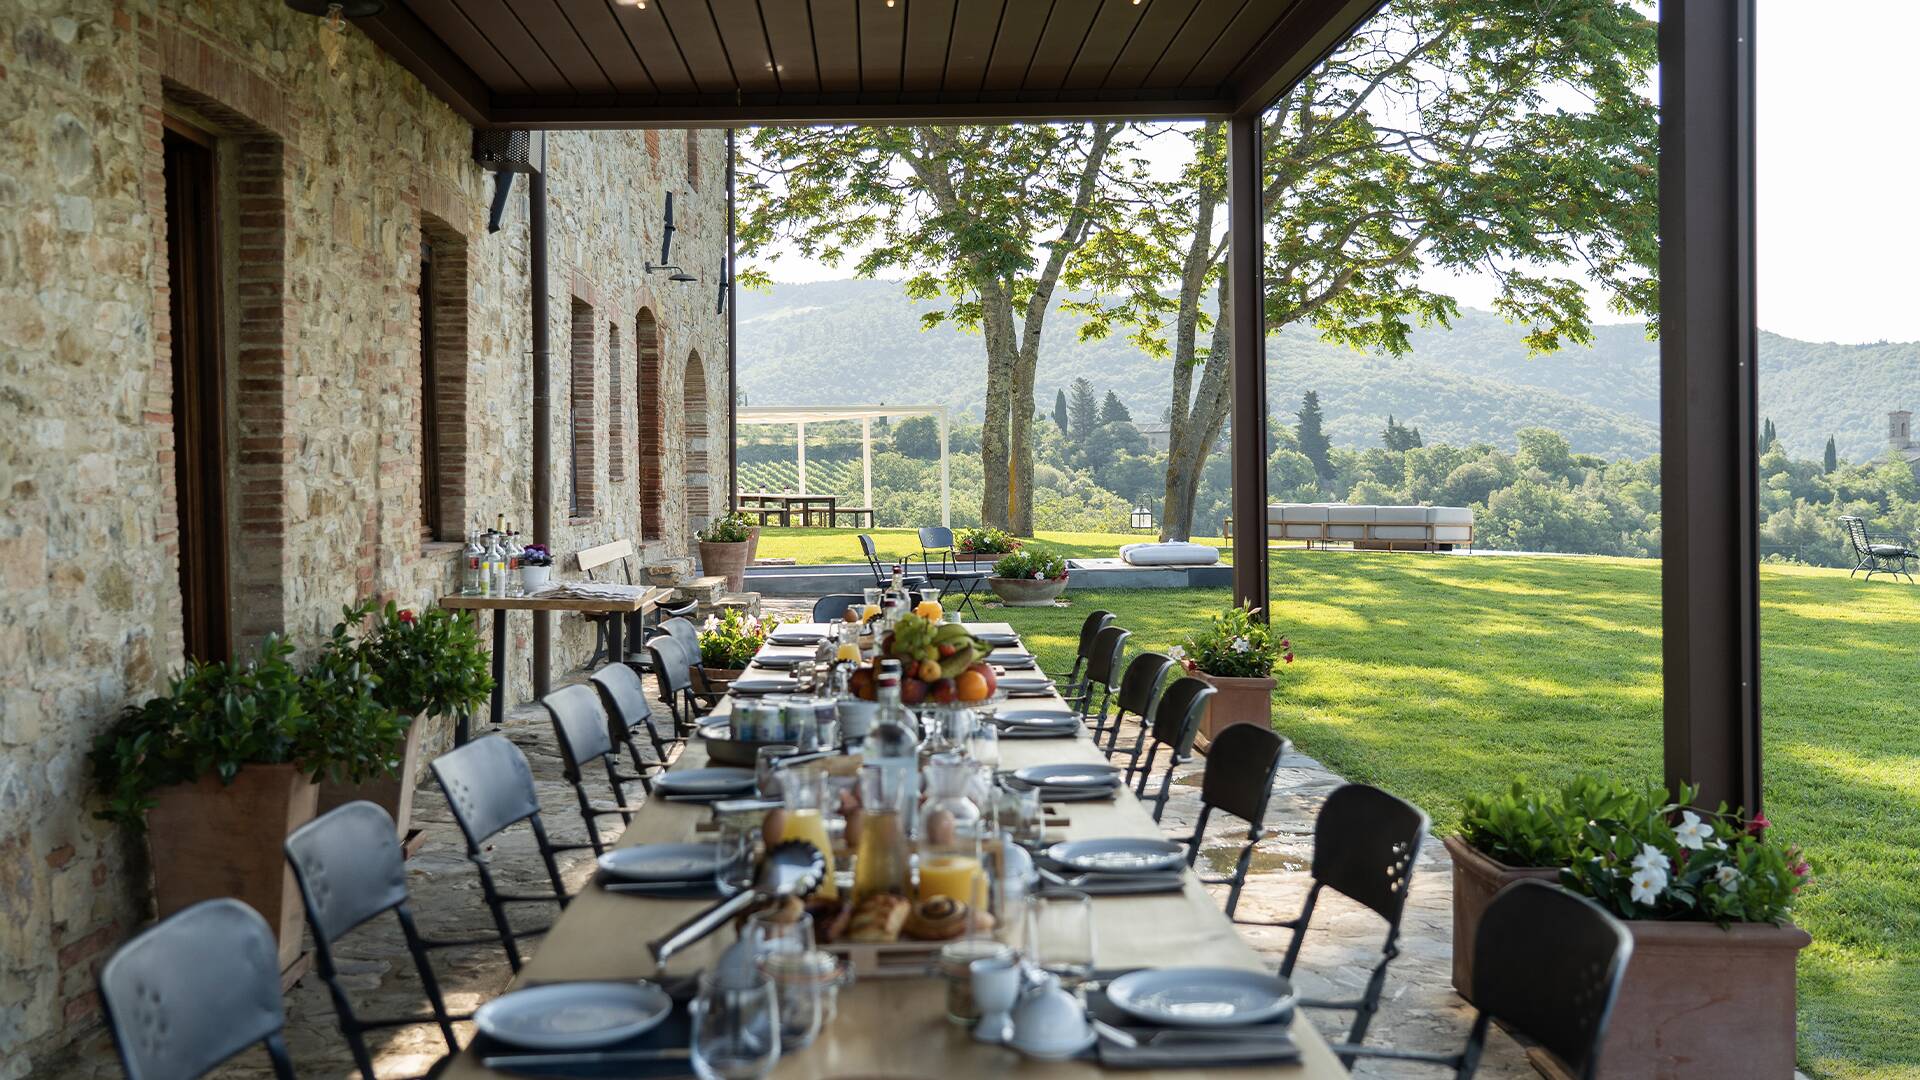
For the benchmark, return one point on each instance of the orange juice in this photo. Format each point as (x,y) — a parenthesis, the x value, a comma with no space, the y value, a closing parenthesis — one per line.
(810,826)
(870,613)
(952,875)
(848,651)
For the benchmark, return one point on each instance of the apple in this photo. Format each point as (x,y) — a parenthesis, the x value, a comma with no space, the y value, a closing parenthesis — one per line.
(912,691)
(948,650)
(945,691)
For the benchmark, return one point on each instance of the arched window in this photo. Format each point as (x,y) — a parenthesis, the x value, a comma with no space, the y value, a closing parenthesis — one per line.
(580,396)
(650,425)
(693,404)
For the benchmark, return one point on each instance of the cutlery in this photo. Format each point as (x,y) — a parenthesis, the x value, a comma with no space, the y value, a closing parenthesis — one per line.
(1171,1035)
(599,1057)
(1078,880)
(1113,1034)
(656,886)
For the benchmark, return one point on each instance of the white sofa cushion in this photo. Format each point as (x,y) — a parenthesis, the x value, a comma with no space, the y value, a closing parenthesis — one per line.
(1399,532)
(1292,512)
(1454,534)
(1450,515)
(1172,553)
(1352,514)
(1400,515)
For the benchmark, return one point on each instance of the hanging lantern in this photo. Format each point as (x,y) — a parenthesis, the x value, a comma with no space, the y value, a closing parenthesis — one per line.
(337,12)
(1142,517)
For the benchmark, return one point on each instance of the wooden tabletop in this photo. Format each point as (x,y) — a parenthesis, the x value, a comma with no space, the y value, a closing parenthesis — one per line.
(645,598)
(897,1028)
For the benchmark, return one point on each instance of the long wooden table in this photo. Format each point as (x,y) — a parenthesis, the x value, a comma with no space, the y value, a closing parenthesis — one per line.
(897,1028)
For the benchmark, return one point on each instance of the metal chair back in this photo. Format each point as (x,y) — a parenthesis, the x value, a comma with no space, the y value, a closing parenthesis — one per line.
(686,633)
(832,607)
(1241,762)
(1548,963)
(350,869)
(1071,679)
(1856,530)
(1176,722)
(1139,689)
(873,559)
(1103,675)
(625,698)
(581,728)
(193,991)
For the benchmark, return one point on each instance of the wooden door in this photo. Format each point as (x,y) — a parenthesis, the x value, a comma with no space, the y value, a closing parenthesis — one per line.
(199,396)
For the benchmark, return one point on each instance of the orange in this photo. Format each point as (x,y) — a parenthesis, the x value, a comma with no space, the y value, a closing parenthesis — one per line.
(972,686)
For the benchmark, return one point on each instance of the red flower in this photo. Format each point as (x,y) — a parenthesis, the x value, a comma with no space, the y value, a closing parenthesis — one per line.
(1759,824)
(1800,869)
(1288,658)
(407,616)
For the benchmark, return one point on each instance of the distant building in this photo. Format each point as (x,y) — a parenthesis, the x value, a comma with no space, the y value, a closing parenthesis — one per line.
(1159,436)
(1900,437)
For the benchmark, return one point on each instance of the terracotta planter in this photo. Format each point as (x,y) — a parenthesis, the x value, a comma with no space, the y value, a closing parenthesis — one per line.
(1235,701)
(1027,592)
(394,794)
(726,560)
(718,679)
(209,839)
(753,545)
(1701,1003)
(1475,879)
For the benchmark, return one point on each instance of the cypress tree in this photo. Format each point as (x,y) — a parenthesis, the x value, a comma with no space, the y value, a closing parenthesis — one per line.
(1312,439)
(1060,410)
(1832,461)
(1113,410)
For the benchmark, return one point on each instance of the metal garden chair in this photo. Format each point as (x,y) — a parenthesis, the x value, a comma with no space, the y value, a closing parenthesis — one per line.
(1102,676)
(938,540)
(1071,679)
(490,788)
(832,607)
(1546,964)
(673,683)
(1365,842)
(581,728)
(1139,689)
(625,697)
(1175,724)
(194,990)
(687,634)
(1877,554)
(1241,763)
(881,575)
(350,870)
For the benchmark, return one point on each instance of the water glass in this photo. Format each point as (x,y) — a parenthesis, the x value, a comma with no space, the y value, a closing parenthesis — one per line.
(739,842)
(983,745)
(766,768)
(736,1026)
(772,931)
(1018,810)
(1060,935)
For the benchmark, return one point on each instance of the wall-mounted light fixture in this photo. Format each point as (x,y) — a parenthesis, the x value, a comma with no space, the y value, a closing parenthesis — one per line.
(337,12)
(720,302)
(666,232)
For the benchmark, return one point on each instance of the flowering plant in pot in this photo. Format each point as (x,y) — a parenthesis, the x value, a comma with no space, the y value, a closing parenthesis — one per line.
(730,641)
(724,548)
(425,666)
(536,568)
(1237,655)
(985,540)
(222,766)
(1032,576)
(1707,895)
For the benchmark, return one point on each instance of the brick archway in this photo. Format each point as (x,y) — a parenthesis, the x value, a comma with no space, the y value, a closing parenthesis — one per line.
(693,405)
(651,426)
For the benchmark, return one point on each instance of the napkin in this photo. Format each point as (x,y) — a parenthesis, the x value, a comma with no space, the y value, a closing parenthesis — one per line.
(1028,731)
(1269,1043)
(702,889)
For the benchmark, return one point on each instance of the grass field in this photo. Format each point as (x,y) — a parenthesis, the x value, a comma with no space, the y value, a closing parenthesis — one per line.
(1435,677)
(815,546)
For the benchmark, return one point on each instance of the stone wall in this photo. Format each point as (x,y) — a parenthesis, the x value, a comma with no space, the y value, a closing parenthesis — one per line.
(335,164)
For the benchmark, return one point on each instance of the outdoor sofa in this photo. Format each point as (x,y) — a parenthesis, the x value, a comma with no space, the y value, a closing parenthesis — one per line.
(1382,528)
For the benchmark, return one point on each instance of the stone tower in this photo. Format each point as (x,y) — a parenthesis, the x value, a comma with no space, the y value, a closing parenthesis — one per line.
(1900,429)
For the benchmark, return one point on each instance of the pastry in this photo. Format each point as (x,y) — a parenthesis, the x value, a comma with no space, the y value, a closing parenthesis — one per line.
(830,919)
(879,918)
(938,918)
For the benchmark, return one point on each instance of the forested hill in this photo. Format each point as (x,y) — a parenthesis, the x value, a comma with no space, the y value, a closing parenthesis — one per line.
(1474,382)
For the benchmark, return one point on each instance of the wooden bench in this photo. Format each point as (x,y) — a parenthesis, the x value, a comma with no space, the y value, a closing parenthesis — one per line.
(862,515)
(592,559)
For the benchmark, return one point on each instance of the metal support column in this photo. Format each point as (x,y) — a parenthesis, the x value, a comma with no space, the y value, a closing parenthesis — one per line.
(542,409)
(1247,330)
(1708,404)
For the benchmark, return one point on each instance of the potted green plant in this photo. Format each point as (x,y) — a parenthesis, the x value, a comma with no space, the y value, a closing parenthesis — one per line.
(220,768)
(729,642)
(1706,896)
(724,548)
(425,667)
(1032,576)
(971,543)
(1236,654)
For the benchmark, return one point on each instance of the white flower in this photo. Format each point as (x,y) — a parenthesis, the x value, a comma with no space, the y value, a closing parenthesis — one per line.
(1651,858)
(711,624)
(1241,644)
(1648,884)
(1692,833)
(1177,653)
(1728,877)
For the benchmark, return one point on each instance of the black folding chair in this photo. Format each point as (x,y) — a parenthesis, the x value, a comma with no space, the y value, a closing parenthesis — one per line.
(832,607)
(194,990)
(1070,680)
(938,540)
(673,684)
(1139,689)
(490,788)
(1176,722)
(684,631)
(350,869)
(625,698)
(1103,675)
(1241,763)
(883,577)
(1365,842)
(1546,964)
(580,727)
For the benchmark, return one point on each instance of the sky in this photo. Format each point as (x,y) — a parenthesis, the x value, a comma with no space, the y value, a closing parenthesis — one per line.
(1836,161)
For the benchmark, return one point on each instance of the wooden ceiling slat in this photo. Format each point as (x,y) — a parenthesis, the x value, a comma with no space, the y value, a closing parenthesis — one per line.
(929,33)
(599,28)
(836,45)
(746,44)
(1200,33)
(1160,22)
(1111,31)
(1240,38)
(882,33)
(459,34)
(1020,28)
(556,37)
(791,32)
(974,30)
(647,34)
(691,23)
(1067,27)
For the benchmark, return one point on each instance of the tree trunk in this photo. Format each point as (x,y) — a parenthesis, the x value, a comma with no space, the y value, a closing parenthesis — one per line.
(1020,460)
(1197,427)
(996,443)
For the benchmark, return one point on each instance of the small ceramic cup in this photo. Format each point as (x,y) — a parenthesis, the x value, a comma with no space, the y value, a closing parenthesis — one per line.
(996,988)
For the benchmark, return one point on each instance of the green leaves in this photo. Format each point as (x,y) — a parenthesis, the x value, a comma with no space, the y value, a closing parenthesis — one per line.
(1031,561)
(1235,645)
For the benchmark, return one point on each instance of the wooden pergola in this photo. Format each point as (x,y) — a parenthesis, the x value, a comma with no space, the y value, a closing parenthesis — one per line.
(735,63)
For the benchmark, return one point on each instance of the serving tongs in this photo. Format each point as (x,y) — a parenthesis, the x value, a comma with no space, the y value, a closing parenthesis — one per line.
(790,868)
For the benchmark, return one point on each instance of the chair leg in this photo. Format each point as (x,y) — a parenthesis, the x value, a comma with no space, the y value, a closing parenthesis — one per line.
(1137,769)
(428,980)
(1166,789)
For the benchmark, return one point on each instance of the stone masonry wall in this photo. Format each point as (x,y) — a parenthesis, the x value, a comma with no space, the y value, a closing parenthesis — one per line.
(335,162)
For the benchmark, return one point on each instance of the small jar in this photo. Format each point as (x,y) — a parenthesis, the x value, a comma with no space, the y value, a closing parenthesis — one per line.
(806,987)
(956,967)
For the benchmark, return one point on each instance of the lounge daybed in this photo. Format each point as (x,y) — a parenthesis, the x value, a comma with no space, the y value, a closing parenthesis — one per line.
(1381,528)
(1171,553)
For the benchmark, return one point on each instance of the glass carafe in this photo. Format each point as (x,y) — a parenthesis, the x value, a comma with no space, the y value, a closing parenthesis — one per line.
(806,795)
(950,831)
(881,855)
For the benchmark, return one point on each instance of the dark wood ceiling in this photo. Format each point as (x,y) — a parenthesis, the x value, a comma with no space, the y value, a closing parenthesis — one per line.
(603,63)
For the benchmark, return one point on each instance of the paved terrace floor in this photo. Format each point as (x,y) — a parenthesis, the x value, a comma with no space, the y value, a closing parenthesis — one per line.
(1420,1010)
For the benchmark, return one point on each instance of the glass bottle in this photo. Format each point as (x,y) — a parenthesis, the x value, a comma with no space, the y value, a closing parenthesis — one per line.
(514,554)
(496,565)
(950,831)
(471,558)
(893,742)
(881,856)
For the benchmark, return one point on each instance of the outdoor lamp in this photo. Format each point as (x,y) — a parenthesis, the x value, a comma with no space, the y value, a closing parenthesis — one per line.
(337,12)
(1142,517)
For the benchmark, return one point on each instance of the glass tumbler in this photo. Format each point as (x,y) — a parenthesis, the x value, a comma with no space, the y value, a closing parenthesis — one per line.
(736,1026)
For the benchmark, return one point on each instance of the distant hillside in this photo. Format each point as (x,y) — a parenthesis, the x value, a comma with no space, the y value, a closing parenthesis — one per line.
(1474,382)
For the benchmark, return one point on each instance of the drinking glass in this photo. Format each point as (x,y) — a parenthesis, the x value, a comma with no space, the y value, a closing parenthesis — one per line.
(766,768)
(769,932)
(736,1026)
(1060,935)
(983,745)
(1018,810)
(739,855)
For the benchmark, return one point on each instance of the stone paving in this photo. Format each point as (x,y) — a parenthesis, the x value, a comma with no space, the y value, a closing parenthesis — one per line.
(1420,1010)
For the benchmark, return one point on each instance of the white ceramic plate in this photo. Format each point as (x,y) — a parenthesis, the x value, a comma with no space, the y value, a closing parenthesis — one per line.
(1012,661)
(573,1016)
(1119,855)
(1201,997)
(704,781)
(762,685)
(662,862)
(1068,776)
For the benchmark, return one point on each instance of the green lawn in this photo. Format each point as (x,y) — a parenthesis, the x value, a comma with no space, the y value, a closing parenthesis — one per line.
(816,546)
(1434,677)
